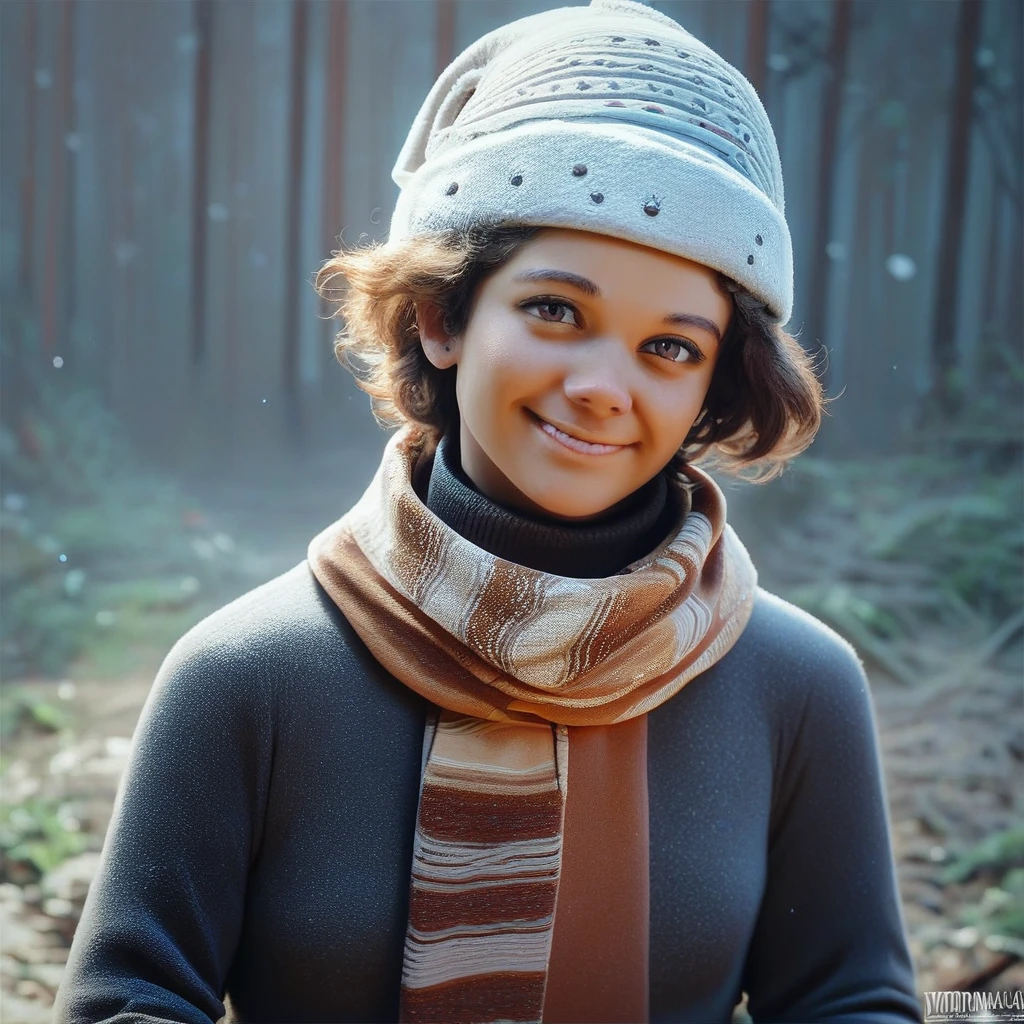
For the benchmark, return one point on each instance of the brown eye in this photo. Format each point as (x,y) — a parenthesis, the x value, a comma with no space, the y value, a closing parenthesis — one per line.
(674,350)
(552,312)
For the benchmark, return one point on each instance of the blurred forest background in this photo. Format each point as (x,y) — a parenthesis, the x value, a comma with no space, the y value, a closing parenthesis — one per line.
(174,428)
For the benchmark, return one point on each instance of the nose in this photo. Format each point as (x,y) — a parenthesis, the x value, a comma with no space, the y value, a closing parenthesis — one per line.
(598,386)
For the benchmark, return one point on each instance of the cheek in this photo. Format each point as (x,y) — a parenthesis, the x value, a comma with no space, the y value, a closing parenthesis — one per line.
(676,409)
(497,372)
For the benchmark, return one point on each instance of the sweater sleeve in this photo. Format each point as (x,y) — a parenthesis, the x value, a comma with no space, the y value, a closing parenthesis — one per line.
(829,944)
(163,916)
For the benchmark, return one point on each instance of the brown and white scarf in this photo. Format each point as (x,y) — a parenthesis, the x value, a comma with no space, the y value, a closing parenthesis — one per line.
(533,798)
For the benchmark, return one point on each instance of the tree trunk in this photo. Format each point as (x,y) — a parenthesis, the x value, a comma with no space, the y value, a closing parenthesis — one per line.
(334,152)
(293,225)
(237,62)
(858,370)
(756,63)
(991,326)
(67,271)
(203,28)
(944,391)
(55,293)
(14,379)
(127,392)
(831,112)
(444,40)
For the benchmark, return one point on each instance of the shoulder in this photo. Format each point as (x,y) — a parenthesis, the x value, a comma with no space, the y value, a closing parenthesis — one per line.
(797,665)
(286,609)
(786,638)
(274,630)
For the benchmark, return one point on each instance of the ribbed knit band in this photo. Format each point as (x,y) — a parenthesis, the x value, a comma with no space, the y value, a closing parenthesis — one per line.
(609,118)
(593,550)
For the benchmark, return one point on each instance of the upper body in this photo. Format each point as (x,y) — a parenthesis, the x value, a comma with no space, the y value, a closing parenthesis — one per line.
(583,290)
(260,849)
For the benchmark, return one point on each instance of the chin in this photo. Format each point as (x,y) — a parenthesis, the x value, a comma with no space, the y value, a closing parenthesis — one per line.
(571,506)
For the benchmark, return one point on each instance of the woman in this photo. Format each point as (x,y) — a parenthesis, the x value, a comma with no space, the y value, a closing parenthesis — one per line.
(522,739)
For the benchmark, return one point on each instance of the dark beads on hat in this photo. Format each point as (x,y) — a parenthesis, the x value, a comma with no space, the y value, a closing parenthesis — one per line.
(562,128)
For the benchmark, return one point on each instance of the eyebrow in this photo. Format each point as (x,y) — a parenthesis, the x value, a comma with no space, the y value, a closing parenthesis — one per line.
(585,285)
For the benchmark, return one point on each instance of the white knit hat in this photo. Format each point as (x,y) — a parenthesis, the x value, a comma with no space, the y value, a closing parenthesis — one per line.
(609,118)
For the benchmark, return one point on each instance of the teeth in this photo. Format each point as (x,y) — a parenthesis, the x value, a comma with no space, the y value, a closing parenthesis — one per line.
(575,443)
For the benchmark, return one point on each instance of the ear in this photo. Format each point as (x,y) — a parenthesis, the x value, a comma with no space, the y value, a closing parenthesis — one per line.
(438,346)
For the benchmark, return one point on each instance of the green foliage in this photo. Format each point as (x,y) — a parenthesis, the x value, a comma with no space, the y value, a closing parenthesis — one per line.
(21,708)
(35,836)
(1001,852)
(974,540)
(931,533)
(999,915)
(97,550)
(68,446)
(842,603)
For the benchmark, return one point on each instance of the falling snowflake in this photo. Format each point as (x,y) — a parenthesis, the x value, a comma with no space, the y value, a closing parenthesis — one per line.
(74,582)
(125,252)
(190,585)
(203,548)
(901,267)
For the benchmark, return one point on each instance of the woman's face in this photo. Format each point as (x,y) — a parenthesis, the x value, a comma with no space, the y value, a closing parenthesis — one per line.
(583,366)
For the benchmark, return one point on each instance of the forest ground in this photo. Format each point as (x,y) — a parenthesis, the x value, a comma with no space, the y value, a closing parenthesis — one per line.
(952,754)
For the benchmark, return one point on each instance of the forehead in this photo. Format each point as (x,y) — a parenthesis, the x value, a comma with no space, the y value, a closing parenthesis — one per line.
(622,270)
(589,248)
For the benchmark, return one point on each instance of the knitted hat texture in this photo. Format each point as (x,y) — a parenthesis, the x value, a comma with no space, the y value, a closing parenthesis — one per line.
(609,118)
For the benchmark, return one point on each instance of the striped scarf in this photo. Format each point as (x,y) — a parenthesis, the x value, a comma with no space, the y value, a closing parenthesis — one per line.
(530,674)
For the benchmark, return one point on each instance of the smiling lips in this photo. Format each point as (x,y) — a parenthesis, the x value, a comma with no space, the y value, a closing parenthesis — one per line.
(574,443)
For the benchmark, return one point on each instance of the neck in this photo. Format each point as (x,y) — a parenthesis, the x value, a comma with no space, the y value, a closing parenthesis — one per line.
(590,550)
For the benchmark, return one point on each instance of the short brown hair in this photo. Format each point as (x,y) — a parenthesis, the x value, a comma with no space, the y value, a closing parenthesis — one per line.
(763,408)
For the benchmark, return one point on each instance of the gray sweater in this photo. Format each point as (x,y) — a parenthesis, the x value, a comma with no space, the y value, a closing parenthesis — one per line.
(257,863)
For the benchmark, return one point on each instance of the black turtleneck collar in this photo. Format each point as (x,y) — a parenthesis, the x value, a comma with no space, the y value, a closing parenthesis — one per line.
(590,550)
